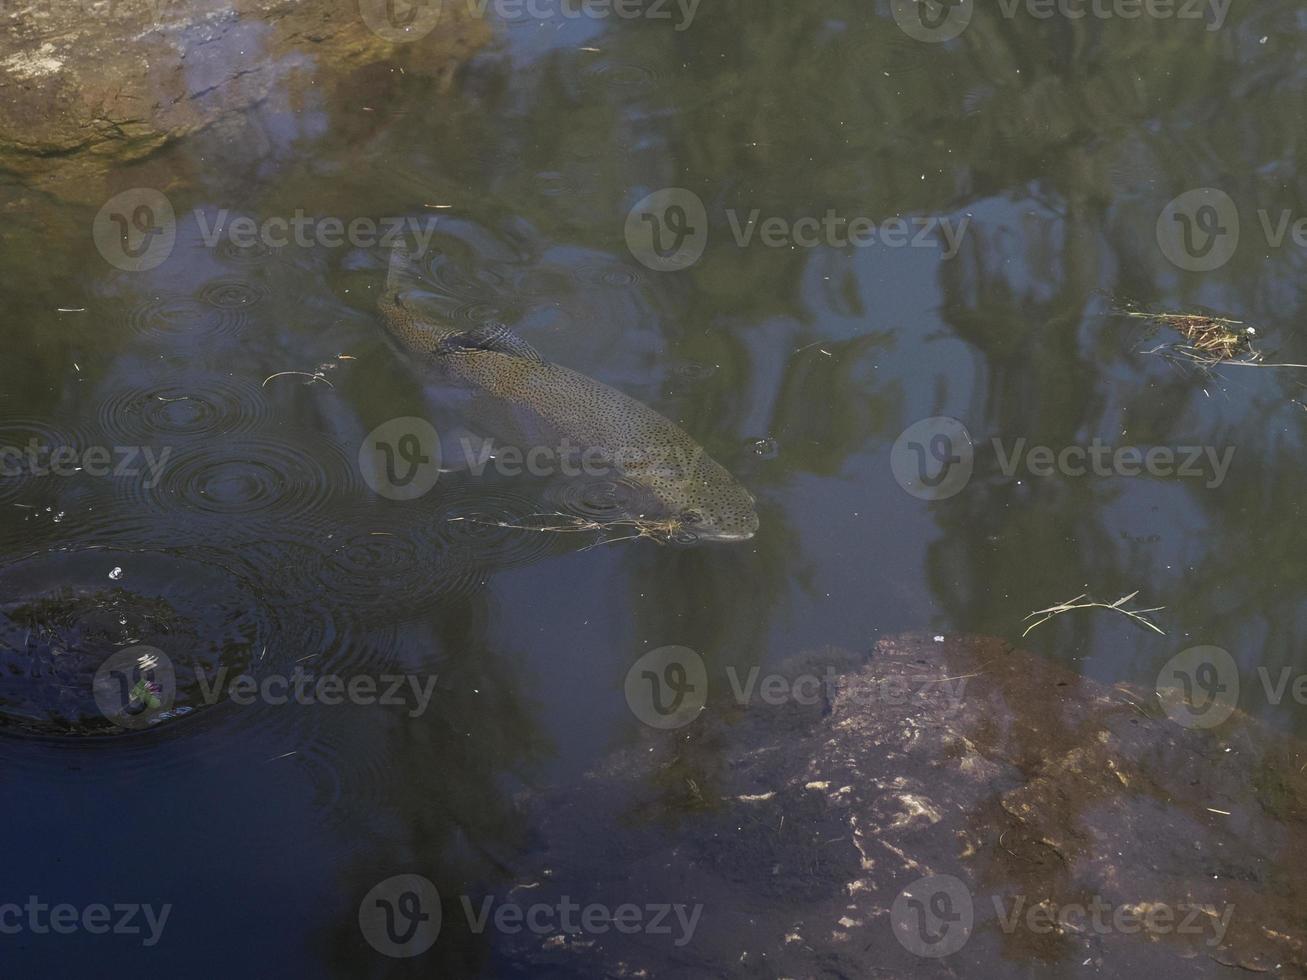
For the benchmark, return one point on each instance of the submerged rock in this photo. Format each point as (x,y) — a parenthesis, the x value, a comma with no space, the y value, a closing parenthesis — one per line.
(82,654)
(956,807)
(88,85)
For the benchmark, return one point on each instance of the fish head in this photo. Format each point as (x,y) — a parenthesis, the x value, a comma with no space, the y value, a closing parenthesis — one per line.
(717,510)
(697,499)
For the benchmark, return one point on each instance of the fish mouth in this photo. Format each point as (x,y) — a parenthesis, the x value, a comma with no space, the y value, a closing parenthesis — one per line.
(724,536)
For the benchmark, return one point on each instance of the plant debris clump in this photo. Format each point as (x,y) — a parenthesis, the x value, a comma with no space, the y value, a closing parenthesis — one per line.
(1209,339)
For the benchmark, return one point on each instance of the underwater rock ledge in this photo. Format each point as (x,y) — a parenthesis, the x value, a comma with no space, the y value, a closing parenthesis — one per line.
(90,84)
(797,826)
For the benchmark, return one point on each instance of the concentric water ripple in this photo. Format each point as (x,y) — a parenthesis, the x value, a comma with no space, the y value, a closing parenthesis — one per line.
(255,252)
(551,183)
(608,275)
(250,479)
(231,294)
(384,563)
(599,500)
(625,78)
(448,277)
(26,448)
(476,312)
(175,317)
(496,528)
(694,371)
(183,410)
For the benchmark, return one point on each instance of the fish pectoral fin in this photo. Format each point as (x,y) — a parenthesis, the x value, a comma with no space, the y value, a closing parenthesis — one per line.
(490,336)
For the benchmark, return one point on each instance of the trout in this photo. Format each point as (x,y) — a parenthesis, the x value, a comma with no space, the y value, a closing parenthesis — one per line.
(695,495)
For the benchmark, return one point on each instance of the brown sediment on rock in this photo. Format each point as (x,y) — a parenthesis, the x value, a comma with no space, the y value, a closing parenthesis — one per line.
(92,84)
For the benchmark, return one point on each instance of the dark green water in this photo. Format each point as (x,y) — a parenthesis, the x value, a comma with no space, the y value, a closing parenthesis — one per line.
(1051,147)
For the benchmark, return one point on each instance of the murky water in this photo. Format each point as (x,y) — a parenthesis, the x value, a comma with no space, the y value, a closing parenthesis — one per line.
(197,487)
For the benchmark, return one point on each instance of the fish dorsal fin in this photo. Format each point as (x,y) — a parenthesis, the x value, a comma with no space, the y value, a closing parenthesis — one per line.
(490,336)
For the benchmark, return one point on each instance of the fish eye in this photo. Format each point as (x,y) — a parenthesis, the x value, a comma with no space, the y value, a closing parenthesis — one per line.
(691,517)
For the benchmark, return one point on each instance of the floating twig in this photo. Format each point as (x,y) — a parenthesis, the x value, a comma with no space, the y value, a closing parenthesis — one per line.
(1064,607)
(661,531)
(1211,339)
(314,376)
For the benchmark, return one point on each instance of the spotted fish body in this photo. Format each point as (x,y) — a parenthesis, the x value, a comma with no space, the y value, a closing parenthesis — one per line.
(699,496)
